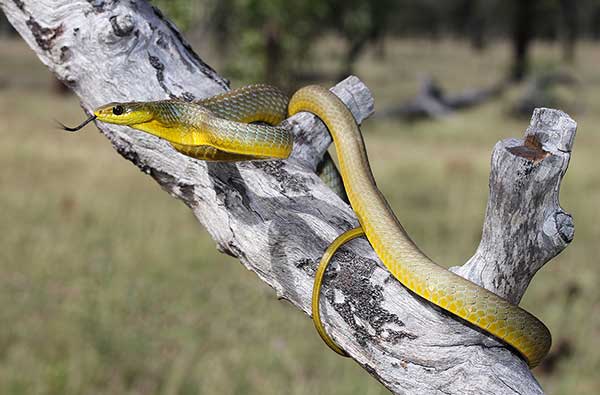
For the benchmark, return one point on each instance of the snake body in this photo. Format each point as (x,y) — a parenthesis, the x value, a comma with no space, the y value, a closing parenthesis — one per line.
(217,129)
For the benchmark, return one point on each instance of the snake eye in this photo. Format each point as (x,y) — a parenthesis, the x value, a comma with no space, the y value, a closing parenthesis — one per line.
(117,110)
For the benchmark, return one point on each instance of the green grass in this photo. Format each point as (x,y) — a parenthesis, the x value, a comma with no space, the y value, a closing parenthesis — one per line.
(110,286)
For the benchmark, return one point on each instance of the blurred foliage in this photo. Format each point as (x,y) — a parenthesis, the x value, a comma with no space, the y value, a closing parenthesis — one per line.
(271,40)
(182,12)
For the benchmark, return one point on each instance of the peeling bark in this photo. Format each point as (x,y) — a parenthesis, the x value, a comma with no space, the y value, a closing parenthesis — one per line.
(277,217)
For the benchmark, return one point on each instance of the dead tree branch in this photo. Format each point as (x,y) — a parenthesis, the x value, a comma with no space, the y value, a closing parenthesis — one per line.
(433,102)
(278,218)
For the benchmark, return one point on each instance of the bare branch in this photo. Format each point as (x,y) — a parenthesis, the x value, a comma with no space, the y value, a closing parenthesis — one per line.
(278,218)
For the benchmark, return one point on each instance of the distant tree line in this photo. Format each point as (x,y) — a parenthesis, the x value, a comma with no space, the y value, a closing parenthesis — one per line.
(271,40)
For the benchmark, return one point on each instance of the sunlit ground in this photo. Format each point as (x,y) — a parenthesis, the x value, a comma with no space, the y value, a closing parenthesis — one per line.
(108,285)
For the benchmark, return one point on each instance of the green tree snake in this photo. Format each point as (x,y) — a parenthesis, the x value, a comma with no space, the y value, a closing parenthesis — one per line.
(221,128)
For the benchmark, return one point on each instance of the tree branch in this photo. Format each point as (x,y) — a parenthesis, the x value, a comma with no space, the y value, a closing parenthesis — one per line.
(278,218)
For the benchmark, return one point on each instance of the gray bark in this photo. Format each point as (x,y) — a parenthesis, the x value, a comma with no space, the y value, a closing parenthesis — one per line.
(277,217)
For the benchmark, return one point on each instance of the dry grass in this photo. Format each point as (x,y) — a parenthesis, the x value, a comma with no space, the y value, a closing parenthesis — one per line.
(108,285)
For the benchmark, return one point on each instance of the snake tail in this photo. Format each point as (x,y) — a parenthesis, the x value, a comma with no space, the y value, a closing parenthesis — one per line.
(316,292)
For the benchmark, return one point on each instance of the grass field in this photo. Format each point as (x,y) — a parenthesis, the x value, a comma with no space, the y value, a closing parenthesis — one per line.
(109,286)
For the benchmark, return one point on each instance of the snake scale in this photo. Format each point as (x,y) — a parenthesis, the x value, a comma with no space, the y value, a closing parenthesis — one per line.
(220,128)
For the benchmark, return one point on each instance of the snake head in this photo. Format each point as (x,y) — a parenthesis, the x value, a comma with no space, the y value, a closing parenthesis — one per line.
(131,113)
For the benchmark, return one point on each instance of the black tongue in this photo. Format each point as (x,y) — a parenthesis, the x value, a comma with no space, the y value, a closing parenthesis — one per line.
(76,128)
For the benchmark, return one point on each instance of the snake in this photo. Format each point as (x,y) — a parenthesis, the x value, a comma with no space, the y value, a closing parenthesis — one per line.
(244,124)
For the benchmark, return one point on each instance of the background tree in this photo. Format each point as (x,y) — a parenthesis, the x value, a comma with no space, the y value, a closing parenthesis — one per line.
(273,37)
(569,10)
(522,35)
(360,24)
